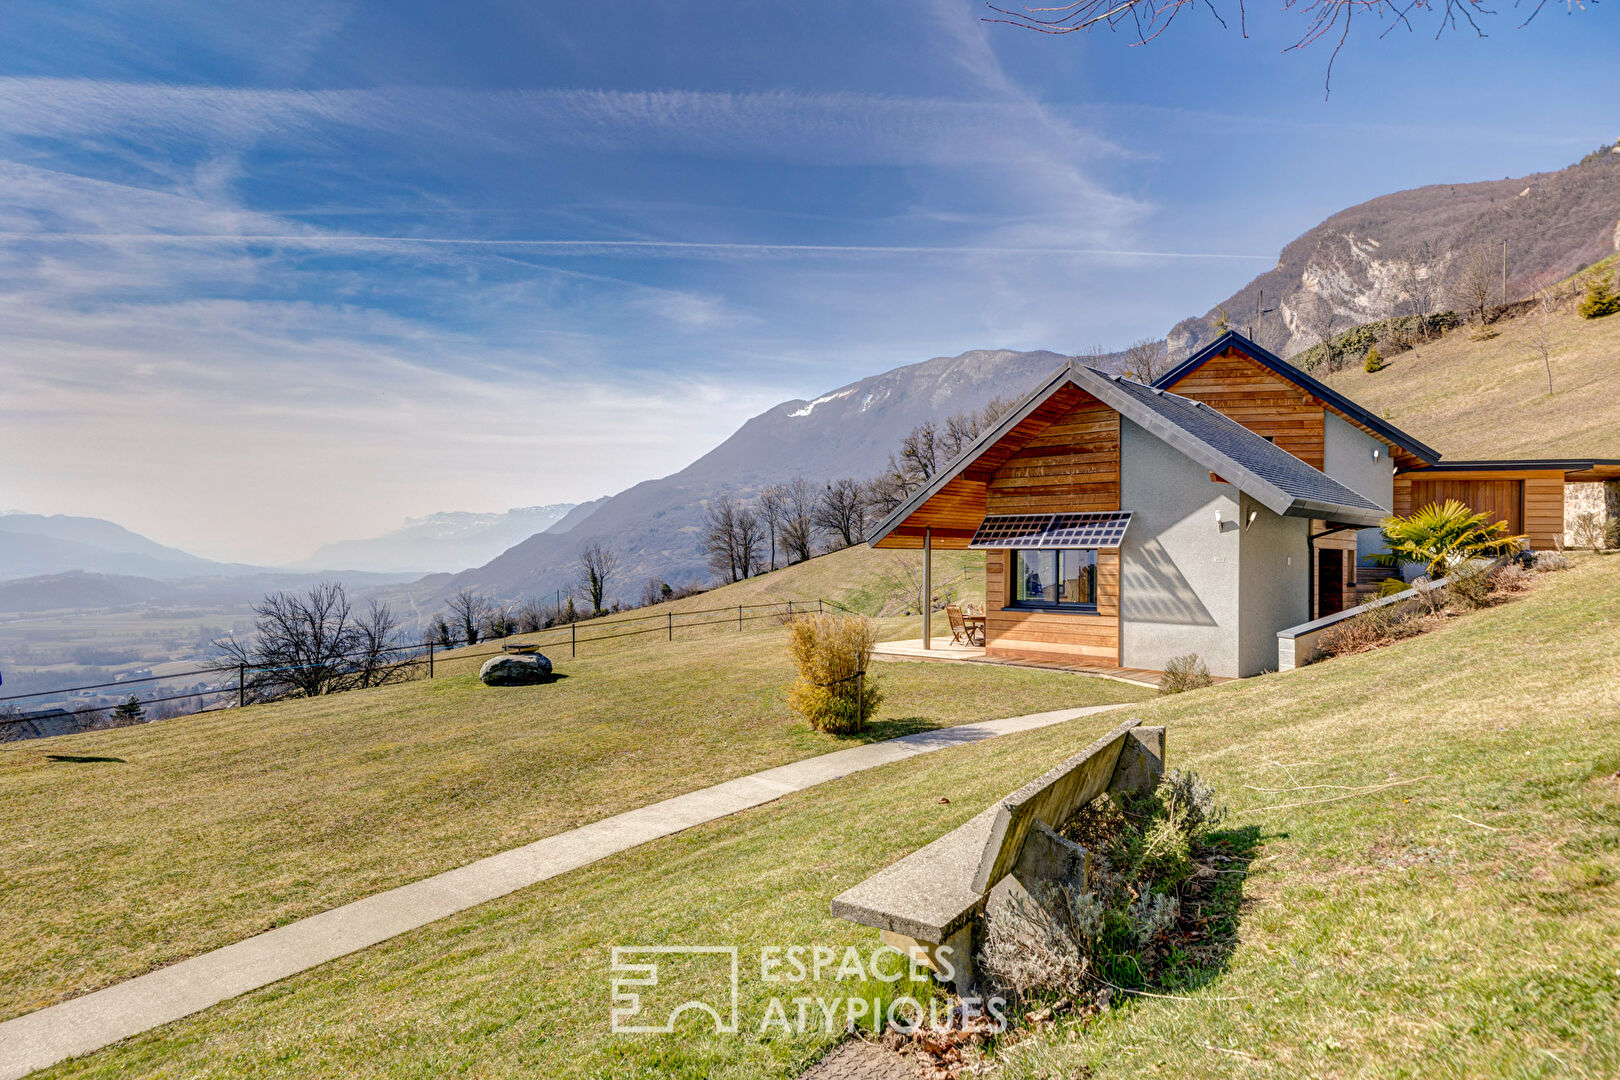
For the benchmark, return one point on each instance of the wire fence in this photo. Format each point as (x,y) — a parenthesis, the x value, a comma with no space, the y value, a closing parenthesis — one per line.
(429,654)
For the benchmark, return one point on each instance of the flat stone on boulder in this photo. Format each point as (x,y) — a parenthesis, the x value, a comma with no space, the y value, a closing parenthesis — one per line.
(524,669)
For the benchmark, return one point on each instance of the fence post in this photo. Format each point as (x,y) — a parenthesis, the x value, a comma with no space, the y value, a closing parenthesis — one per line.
(671,615)
(573,638)
(739,618)
(430,659)
(241,686)
(821,608)
(790,609)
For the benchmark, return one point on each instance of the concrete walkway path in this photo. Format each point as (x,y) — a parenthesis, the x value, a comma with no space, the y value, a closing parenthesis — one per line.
(88,1023)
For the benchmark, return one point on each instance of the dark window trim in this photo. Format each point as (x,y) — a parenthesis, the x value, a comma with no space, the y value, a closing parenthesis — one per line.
(1056,609)
(1053,607)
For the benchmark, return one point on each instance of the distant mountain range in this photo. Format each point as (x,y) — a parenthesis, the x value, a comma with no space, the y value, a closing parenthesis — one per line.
(33,544)
(654,526)
(1555,223)
(440,542)
(1353,264)
(78,590)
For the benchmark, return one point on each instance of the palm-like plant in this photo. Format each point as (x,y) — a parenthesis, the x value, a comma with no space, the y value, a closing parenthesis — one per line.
(1439,537)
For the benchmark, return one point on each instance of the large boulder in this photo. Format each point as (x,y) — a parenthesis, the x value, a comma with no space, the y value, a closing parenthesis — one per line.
(524,669)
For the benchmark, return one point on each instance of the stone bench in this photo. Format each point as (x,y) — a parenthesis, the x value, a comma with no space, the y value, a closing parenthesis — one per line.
(931,898)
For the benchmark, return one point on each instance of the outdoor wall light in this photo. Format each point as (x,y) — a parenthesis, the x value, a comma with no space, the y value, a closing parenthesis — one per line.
(1378,452)
(1253,514)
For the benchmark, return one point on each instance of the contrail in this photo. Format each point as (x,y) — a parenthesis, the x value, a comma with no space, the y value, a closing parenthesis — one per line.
(566,247)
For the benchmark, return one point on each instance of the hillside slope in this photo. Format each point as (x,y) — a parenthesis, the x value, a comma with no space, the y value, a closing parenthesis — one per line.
(1554,224)
(1425,887)
(1488,399)
(654,526)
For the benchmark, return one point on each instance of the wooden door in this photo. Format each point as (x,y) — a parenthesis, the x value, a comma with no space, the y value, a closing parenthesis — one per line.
(1329,582)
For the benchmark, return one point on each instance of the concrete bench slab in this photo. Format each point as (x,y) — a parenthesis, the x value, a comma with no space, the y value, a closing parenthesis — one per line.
(931,897)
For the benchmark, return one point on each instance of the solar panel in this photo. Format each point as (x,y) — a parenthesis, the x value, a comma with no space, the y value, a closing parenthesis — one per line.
(1096,530)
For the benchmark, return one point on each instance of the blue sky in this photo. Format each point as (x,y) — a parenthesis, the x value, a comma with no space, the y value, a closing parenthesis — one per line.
(272,275)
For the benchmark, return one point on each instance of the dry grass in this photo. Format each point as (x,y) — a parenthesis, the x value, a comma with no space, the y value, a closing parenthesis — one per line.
(126,850)
(1488,399)
(1432,893)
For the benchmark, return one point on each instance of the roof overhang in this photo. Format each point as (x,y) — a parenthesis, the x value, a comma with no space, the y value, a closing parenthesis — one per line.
(1329,397)
(1108,390)
(1573,470)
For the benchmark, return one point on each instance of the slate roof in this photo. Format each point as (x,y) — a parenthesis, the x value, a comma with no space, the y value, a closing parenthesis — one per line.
(1266,473)
(1231,339)
(1258,467)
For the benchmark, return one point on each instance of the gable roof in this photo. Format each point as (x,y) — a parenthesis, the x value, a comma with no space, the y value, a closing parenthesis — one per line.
(1334,400)
(1265,472)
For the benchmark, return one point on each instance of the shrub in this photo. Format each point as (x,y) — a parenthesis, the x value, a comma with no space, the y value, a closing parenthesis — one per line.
(1374,361)
(1184,673)
(1510,579)
(1468,586)
(1587,530)
(1548,561)
(1438,537)
(830,650)
(1142,858)
(1375,627)
(1392,587)
(1600,298)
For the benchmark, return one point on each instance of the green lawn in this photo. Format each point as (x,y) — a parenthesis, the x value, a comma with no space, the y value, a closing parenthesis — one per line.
(1382,934)
(129,849)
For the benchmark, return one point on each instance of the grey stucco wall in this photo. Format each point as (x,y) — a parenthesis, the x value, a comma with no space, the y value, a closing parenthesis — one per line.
(1274,584)
(1178,570)
(1347,457)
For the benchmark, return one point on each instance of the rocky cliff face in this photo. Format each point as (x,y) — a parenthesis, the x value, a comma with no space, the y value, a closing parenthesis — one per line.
(1366,263)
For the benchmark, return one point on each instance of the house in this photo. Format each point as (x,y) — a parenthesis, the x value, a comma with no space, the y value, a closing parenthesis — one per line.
(1126,524)
(1321,426)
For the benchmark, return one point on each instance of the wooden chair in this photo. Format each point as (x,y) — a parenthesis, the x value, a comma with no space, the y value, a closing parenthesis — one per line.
(959,628)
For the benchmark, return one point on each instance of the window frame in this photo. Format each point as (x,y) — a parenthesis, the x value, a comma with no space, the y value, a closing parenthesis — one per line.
(1012,562)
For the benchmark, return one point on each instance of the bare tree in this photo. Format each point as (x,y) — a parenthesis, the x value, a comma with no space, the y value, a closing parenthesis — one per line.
(467,611)
(1540,337)
(750,539)
(306,646)
(598,563)
(772,513)
(1472,282)
(720,537)
(1144,20)
(962,429)
(798,519)
(1417,280)
(1145,360)
(841,511)
(884,494)
(1319,320)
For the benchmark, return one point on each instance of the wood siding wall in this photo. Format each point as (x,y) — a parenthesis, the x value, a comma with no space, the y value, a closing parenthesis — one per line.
(1087,638)
(1260,400)
(1070,466)
(1531,502)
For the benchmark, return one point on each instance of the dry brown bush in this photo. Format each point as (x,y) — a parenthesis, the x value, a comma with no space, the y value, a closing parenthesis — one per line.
(831,650)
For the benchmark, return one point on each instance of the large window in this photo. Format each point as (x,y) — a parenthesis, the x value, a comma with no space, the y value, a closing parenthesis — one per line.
(1059,579)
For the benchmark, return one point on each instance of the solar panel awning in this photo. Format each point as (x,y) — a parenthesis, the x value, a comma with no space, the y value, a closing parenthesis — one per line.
(1098,530)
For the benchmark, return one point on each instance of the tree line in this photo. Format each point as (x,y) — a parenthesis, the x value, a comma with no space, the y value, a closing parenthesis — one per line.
(790,522)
